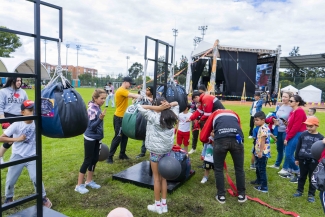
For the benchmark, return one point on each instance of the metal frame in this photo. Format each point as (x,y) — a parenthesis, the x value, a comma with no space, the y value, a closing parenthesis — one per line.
(166,63)
(38,121)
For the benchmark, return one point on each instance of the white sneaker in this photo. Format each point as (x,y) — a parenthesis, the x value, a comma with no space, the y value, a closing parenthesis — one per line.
(92,184)
(154,208)
(164,208)
(250,137)
(204,180)
(192,151)
(273,166)
(283,172)
(81,189)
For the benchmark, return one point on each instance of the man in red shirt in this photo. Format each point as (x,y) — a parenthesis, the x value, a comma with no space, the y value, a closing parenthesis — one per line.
(227,137)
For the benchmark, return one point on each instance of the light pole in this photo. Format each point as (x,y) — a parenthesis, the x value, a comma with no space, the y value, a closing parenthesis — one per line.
(203,29)
(175,32)
(78,47)
(66,61)
(127,65)
(196,41)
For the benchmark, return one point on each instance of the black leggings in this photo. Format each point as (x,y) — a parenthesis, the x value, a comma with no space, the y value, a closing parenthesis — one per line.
(7,115)
(91,156)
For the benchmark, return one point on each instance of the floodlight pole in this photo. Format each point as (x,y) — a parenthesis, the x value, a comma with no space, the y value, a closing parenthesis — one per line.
(78,47)
(203,29)
(127,65)
(196,41)
(66,61)
(277,70)
(175,33)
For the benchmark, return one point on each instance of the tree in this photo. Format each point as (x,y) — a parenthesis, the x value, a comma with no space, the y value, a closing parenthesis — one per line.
(85,79)
(9,42)
(181,79)
(135,70)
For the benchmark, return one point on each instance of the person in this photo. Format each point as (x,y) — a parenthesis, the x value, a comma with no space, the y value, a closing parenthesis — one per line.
(195,129)
(253,162)
(282,115)
(208,104)
(262,152)
(92,139)
(256,107)
(110,94)
(121,98)
(304,159)
(274,97)
(227,138)
(183,128)
(11,98)
(120,212)
(202,88)
(311,112)
(161,118)
(322,193)
(262,82)
(268,99)
(207,157)
(294,130)
(24,145)
(149,94)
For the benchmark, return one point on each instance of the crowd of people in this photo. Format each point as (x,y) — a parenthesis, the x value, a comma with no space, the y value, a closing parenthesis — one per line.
(218,128)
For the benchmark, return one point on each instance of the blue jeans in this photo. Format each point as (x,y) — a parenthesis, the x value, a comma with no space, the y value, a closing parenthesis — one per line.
(280,148)
(289,161)
(261,176)
(110,98)
(322,199)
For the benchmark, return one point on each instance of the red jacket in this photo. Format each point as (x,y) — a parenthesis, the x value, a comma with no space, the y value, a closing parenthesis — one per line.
(225,123)
(295,123)
(208,105)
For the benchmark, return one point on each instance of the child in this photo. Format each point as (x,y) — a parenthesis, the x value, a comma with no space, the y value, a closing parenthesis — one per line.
(24,145)
(159,142)
(262,152)
(322,193)
(207,156)
(149,94)
(184,127)
(256,107)
(311,112)
(304,158)
(92,139)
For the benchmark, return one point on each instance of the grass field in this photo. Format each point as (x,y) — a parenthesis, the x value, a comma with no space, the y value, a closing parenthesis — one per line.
(62,159)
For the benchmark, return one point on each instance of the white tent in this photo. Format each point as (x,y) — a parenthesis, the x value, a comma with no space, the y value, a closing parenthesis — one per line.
(311,94)
(290,88)
(21,65)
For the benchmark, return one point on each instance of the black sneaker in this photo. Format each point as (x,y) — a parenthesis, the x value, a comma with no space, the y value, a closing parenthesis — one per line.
(140,155)
(124,157)
(242,198)
(9,200)
(221,199)
(109,160)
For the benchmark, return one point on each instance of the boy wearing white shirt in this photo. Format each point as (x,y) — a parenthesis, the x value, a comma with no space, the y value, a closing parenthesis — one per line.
(184,127)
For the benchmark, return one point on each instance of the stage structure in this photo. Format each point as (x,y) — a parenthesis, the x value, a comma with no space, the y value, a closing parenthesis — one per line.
(37,210)
(229,67)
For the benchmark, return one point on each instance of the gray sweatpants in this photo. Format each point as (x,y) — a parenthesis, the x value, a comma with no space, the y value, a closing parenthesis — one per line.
(14,173)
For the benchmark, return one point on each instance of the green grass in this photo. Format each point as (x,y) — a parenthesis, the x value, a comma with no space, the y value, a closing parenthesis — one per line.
(62,159)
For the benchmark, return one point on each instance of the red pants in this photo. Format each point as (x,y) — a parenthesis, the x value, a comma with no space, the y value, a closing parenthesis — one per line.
(183,138)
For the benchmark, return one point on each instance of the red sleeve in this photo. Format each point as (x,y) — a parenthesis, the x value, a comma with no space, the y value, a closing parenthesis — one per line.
(206,131)
(208,102)
(294,126)
(322,155)
(196,114)
(269,120)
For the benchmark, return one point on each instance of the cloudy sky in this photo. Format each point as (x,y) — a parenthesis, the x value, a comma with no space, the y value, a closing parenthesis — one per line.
(110,30)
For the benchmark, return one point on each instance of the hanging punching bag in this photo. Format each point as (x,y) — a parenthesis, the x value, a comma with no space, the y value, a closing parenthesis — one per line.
(64,112)
(134,125)
(175,93)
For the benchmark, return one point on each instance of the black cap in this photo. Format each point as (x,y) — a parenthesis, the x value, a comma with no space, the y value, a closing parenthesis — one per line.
(257,94)
(129,79)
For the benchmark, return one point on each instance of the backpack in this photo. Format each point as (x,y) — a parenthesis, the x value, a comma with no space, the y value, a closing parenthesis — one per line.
(318,177)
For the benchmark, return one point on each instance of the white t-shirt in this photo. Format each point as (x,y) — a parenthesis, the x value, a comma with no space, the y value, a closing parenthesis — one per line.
(184,126)
(27,147)
(254,109)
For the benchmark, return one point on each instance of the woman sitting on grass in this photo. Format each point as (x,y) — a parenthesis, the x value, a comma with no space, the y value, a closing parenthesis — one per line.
(161,118)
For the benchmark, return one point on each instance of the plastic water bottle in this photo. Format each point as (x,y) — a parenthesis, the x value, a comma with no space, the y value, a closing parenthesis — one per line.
(239,139)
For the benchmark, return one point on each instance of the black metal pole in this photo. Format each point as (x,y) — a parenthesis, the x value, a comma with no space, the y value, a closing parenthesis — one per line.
(38,123)
(166,69)
(156,70)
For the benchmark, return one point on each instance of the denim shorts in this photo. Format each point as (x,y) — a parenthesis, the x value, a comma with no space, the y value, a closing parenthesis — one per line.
(156,157)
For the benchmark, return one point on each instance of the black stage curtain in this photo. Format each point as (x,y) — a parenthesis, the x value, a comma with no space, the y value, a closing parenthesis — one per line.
(235,78)
(197,69)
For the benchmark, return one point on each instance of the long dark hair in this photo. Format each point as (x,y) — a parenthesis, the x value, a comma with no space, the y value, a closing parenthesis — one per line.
(12,80)
(167,117)
(299,99)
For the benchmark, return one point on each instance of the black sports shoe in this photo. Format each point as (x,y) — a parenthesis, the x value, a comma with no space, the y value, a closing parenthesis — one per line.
(242,198)
(140,155)
(9,200)
(221,199)
(124,157)
(109,160)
